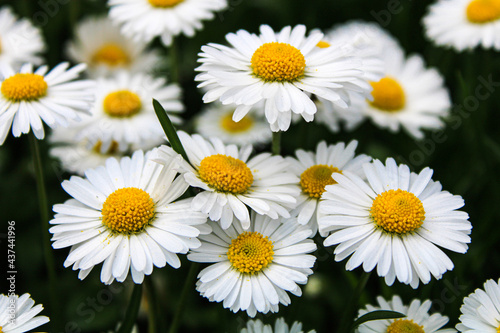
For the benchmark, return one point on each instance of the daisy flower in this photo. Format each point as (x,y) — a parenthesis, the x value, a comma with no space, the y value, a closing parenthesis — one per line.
(20,41)
(102,46)
(481,310)
(280,69)
(18,314)
(280,326)
(252,269)
(395,221)
(123,111)
(315,171)
(125,215)
(231,181)
(217,121)
(464,24)
(417,318)
(28,97)
(146,19)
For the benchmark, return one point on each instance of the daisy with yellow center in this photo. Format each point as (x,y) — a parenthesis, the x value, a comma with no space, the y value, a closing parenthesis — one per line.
(123,215)
(464,24)
(280,70)
(30,98)
(280,326)
(123,112)
(481,310)
(251,270)
(217,121)
(25,314)
(100,44)
(417,320)
(20,41)
(315,171)
(232,182)
(163,18)
(395,221)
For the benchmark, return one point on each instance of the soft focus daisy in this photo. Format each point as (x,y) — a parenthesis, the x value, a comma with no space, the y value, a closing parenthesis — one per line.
(417,320)
(232,181)
(217,121)
(125,215)
(146,19)
(282,69)
(105,50)
(29,97)
(464,24)
(481,310)
(123,112)
(257,326)
(76,156)
(395,221)
(17,314)
(315,171)
(20,41)
(253,269)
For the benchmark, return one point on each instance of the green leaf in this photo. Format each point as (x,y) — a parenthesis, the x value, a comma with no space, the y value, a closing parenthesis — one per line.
(376,315)
(169,129)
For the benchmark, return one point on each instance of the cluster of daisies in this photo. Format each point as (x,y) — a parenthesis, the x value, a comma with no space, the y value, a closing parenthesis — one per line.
(249,215)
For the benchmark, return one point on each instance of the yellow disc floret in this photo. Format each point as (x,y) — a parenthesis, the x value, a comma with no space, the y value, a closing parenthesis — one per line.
(128,210)
(483,11)
(250,252)
(388,95)
(111,55)
(231,126)
(279,62)
(315,178)
(226,174)
(404,326)
(397,211)
(24,87)
(323,44)
(113,148)
(164,3)
(122,104)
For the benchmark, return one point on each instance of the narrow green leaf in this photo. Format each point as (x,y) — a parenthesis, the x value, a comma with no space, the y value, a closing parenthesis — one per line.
(376,315)
(169,129)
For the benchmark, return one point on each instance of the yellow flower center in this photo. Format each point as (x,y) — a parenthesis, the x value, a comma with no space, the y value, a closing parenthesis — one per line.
(111,55)
(397,211)
(226,174)
(250,252)
(498,329)
(24,87)
(483,11)
(404,326)
(128,210)
(315,178)
(113,148)
(323,44)
(388,95)
(165,3)
(278,62)
(231,126)
(122,104)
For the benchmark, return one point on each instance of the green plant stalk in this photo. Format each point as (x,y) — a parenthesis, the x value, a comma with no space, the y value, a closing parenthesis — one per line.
(276,144)
(156,324)
(174,61)
(351,307)
(193,270)
(132,310)
(44,224)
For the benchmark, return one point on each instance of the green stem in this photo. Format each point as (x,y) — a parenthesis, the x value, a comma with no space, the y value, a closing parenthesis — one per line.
(44,224)
(174,61)
(276,145)
(351,307)
(193,270)
(132,310)
(155,319)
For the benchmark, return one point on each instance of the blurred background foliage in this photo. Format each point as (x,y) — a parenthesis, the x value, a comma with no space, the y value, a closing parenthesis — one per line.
(465,157)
